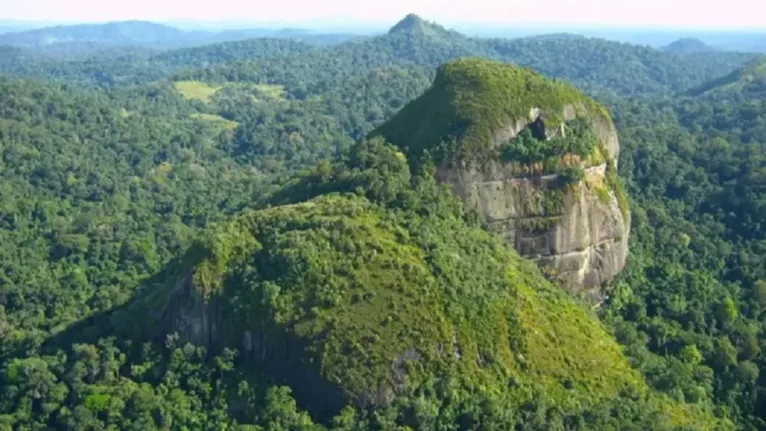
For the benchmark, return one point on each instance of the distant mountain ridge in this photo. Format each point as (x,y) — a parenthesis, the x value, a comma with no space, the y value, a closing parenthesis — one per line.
(593,64)
(117,33)
(148,35)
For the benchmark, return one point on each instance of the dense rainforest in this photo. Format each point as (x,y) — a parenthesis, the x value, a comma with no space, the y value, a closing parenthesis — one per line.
(122,170)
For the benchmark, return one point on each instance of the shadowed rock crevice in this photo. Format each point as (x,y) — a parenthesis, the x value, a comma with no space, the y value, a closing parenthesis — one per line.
(537,128)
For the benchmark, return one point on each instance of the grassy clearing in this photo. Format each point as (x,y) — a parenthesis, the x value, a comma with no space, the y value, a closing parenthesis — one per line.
(196,90)
(269,91)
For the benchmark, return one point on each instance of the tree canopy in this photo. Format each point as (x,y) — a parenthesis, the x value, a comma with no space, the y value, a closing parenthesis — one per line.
(123,170)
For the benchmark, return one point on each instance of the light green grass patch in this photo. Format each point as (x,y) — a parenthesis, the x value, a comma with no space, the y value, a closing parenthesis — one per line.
(196,90)
(270,91)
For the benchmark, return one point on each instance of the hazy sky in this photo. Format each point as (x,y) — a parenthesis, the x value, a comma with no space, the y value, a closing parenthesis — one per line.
(665,13)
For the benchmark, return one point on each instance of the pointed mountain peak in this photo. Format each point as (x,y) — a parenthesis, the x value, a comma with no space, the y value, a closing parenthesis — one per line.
(414,24)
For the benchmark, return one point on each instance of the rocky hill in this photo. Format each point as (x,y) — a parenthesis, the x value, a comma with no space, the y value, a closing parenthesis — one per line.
(362,290)
(365,283)
(533,157)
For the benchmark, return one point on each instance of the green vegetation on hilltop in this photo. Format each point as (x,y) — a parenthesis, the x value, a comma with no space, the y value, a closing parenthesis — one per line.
(377,304)
(219,123)
(472,99)
(595,65)
(94,201)
(121,67)
(220,53)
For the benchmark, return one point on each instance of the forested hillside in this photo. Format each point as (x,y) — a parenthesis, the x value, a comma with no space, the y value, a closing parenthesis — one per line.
(137,188)
(689,307)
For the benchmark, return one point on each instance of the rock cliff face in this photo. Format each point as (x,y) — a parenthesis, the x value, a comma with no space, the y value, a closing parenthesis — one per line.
(577,233)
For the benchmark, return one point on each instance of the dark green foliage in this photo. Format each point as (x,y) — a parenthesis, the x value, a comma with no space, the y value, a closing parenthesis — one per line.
(593,64)
(596,65)
(571,175)
(749,77)
(691,298)
(144,387)
(100,189)
(94,200)
(125,66)
(358,280)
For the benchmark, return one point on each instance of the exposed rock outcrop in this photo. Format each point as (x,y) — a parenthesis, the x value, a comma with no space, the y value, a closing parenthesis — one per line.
(578,233)
(583,243)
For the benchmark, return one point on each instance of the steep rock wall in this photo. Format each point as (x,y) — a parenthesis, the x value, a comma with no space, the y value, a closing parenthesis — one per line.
(578,234)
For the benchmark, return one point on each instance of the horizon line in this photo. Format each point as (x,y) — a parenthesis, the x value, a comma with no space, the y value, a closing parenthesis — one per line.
(386,24)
